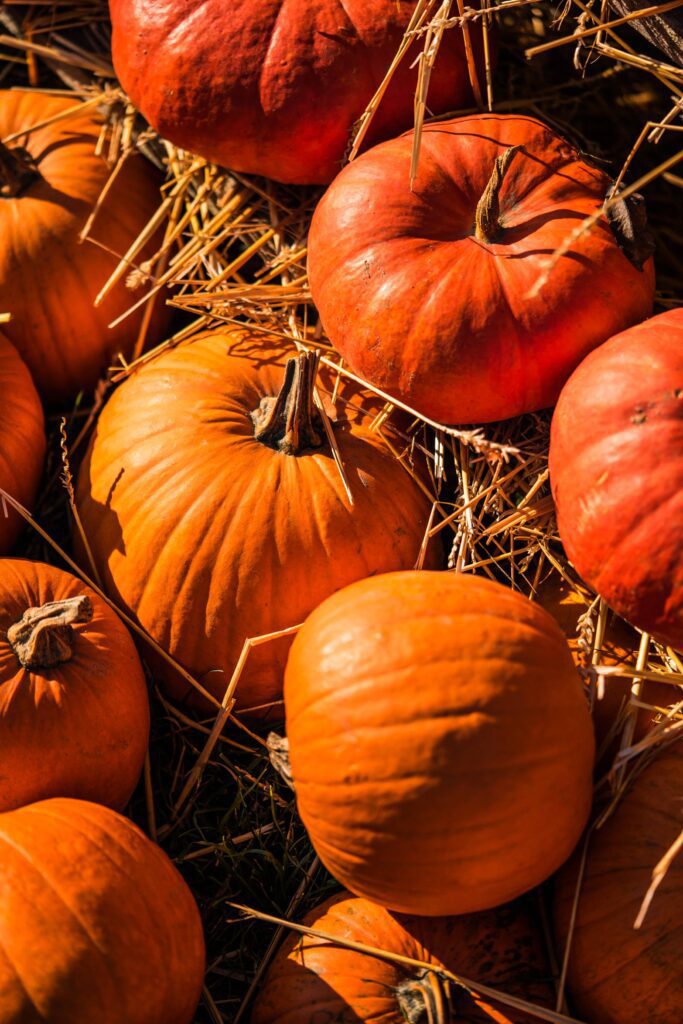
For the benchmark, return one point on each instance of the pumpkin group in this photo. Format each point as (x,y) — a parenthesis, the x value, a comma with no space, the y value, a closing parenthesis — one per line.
(616,469)
(22,441)
(215,510)
(427,290)
(96,922)
(440,743)
(74,715)
(50,179)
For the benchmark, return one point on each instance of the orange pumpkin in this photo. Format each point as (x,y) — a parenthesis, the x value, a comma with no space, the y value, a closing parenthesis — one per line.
(96,924)
(74,715)
(440,742)
(215,511)
(50,179)
(22,440)
(312,979)
(619,974)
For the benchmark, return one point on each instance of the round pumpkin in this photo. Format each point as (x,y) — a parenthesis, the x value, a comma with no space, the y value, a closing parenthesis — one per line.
(50,180)
(312,979)
(619,974)
(22,441)
(74,714)
(426,291)
(215,510)
(616,470)
(270,88)
(441,745)
(96,923)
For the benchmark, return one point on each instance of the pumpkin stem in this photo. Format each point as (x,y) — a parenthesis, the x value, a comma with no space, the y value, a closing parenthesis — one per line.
(287,422)
(278,752)
(425,999)
(487,226)
(17,171)
(43,637)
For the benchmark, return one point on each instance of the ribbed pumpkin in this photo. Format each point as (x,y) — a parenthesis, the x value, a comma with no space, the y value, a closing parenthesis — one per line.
(311,979)
(50,179)
(440,742)
(275,88)
(616,469)
(22,440)
(215,510)
(96,924)
(427,291)
(619,974)
(74,715)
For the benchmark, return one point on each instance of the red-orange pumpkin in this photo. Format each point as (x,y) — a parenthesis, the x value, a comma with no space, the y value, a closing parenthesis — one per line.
(50,179)
(313,980)
(22,441)
(74,715)
(440,742)
(96,924)
(274,88)
(427,291)
(616,469)
(619,974)
(216,512)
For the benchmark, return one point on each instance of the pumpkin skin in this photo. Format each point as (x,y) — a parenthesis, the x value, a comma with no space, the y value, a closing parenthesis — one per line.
(310,978)
(79,728)
(440,743)
(618,974)
(444,321)
(48,280)
(270,91)
(22,440)
(616,471)
(209,537)
(95,921)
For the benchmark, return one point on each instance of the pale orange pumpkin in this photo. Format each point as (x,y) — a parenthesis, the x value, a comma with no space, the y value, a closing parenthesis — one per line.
(22,441)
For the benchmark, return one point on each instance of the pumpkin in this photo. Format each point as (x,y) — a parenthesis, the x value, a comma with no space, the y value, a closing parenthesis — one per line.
(312,979)
(616,471)
(215,511)
(270,88)
(440,743)
(426,291)
(95,921)
(619,974)
(50,180)
(74,715)
(22,441)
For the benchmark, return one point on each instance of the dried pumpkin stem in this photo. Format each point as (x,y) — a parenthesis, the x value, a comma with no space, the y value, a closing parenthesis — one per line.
(278,752)
(487,226)
(287,421)
(424,999)
(43,637)
(17,171)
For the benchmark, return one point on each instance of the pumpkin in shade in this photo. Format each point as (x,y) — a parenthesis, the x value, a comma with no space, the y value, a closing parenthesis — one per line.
(616,470)
(619,974)
(427,291)
(215,510)
(96,924)
(312,979)
(74,714)
(440,742)
(271,88)
(50,180)
(22,440)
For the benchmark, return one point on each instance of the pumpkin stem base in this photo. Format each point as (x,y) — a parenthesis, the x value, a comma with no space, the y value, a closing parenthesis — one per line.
(43,638)
(424,999)
(287,422)
(17,171)
(487,225)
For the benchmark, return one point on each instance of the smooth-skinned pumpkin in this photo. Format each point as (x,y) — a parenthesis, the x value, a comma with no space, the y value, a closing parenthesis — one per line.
(50,180)
(96,924)
(312,979)
(74,714)
(215,511)
(619,974)
(274,88)
(440,742)
(428,291)
(22,441)
(616,471)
